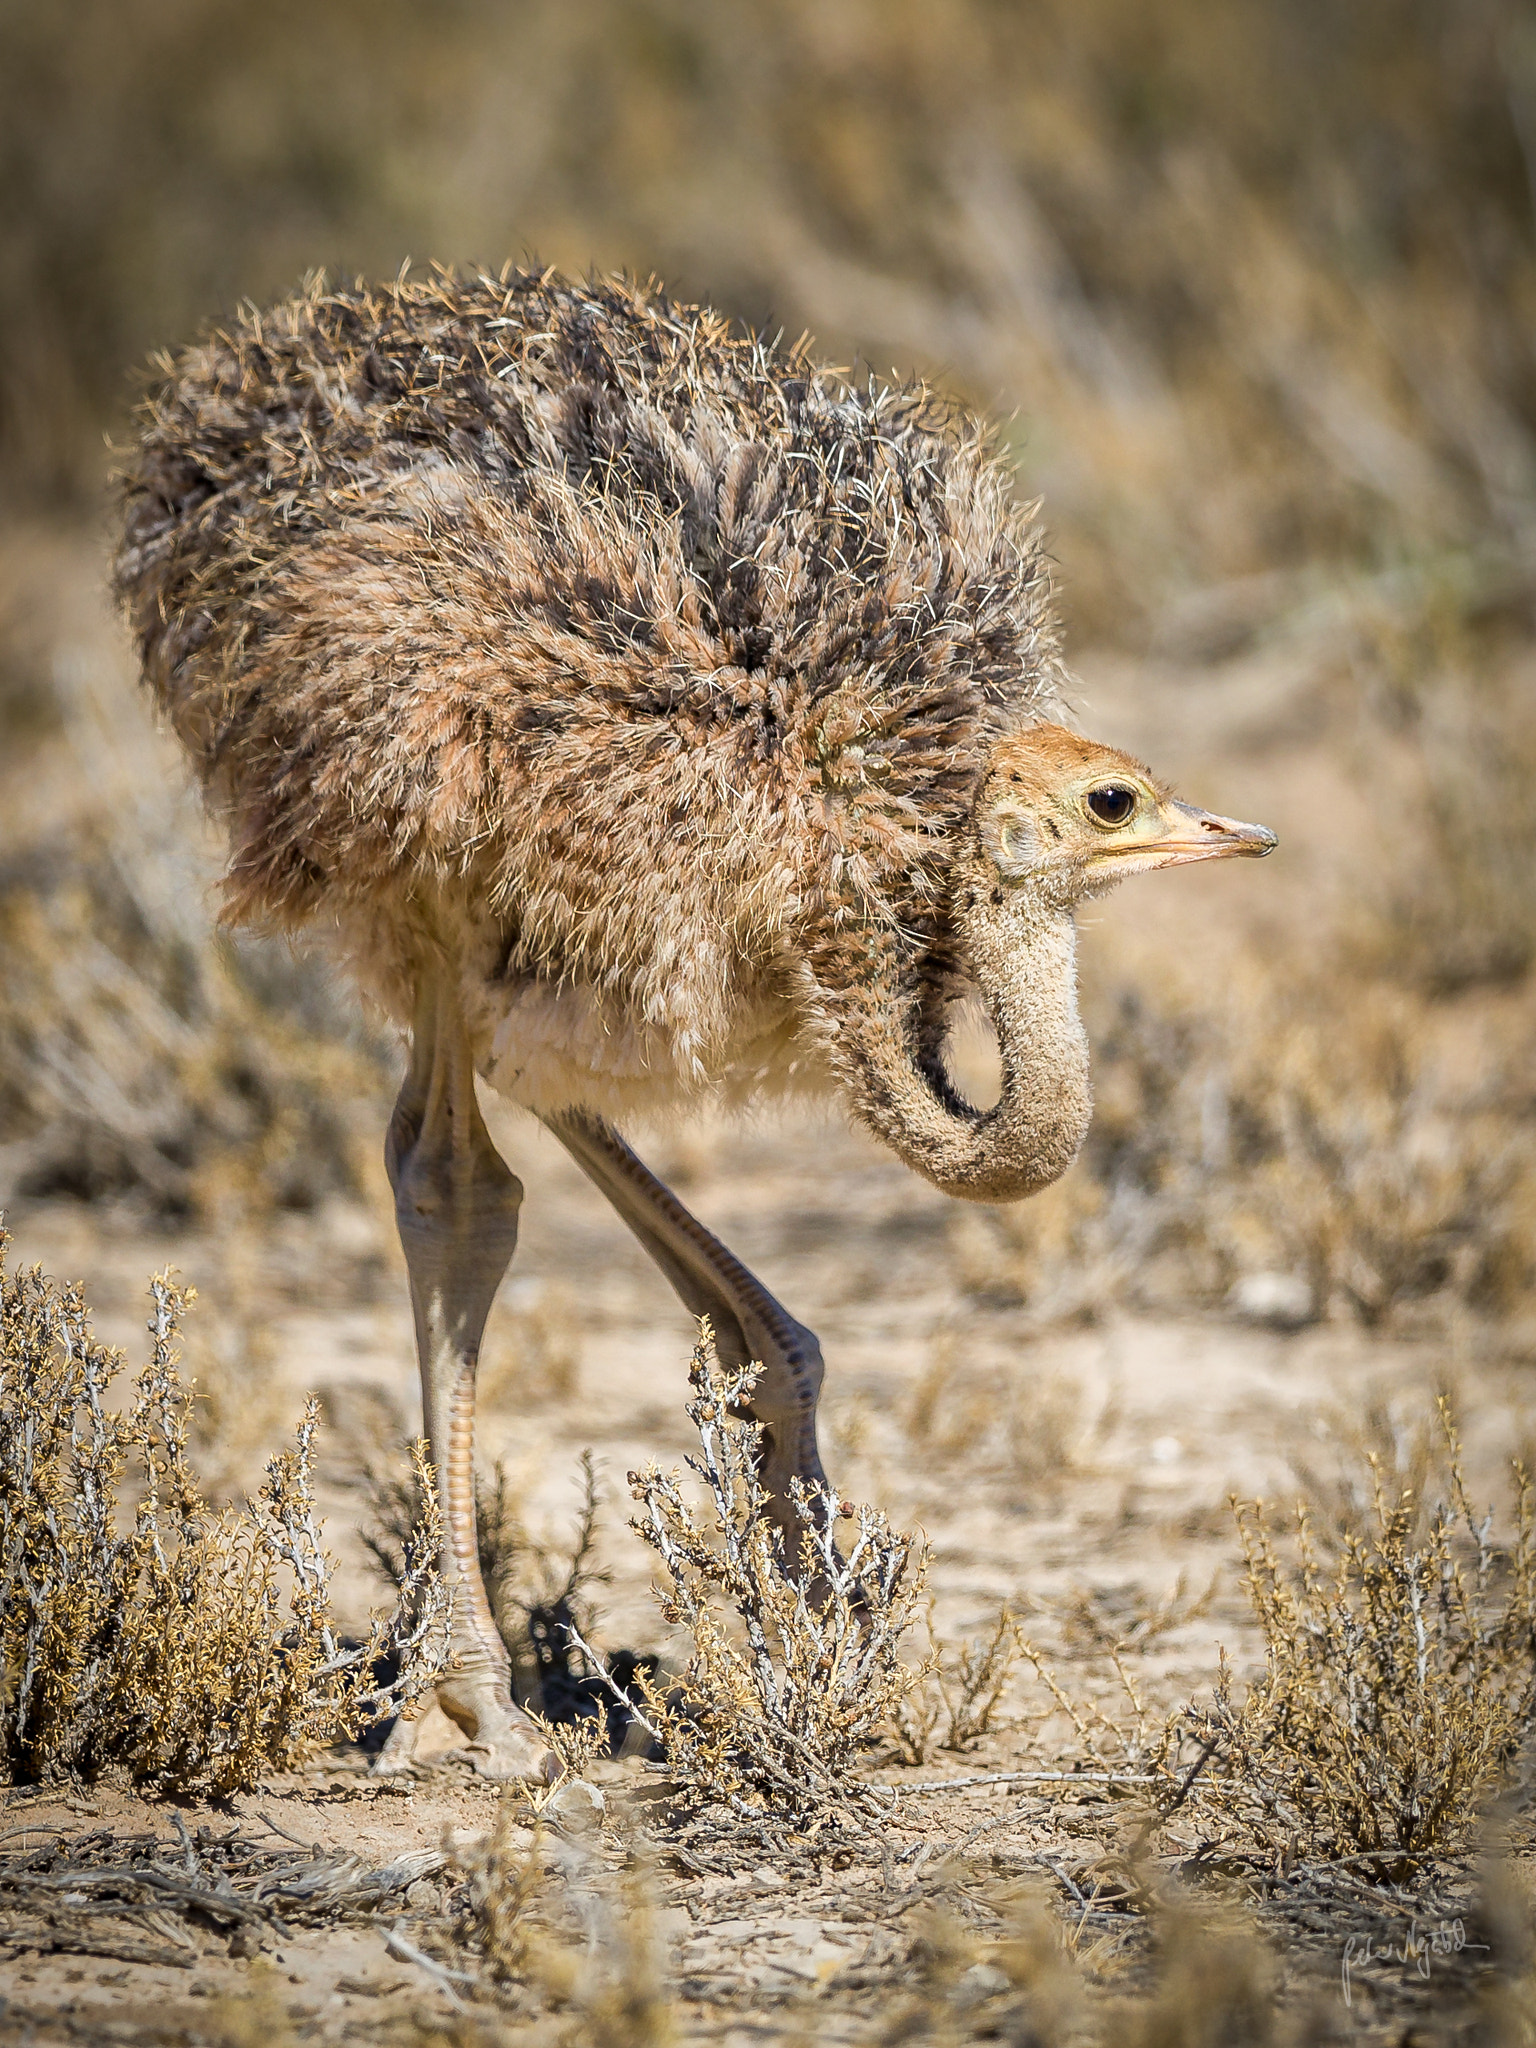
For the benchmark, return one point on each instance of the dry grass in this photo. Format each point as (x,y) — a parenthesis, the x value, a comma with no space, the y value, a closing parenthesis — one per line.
(1186,1974)
(551,1922)
(614,1982)
(1098,1622)
(1280,414)
(502,1874)
(963,1417)
(143,1054)
(1264,285)
(1260,1157)
(1396,1689)
(1398,1683)
(131,1897)
(1455,906)
(190,1649)
(957,1691)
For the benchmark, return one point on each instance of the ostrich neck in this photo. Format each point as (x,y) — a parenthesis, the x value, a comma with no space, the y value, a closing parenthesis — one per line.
(1022,955)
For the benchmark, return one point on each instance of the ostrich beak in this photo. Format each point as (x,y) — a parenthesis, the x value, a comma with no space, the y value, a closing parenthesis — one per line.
(1177,834)
(1202,835)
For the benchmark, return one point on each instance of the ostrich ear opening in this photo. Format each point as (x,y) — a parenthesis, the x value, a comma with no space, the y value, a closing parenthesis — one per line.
(1011,841)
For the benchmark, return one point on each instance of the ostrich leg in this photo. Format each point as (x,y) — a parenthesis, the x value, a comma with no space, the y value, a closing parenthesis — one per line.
(456,1208)
(749,1325)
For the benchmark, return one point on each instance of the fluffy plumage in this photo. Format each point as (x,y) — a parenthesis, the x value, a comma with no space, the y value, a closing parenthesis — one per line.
(641,669)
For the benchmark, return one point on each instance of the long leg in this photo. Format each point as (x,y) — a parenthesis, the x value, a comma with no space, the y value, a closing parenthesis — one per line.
(749,1325)
(456,1207)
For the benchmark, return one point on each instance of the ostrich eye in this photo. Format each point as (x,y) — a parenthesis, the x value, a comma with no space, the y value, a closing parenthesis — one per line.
(1112,804)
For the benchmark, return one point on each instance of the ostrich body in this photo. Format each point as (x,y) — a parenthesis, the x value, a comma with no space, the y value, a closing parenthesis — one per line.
(648,718)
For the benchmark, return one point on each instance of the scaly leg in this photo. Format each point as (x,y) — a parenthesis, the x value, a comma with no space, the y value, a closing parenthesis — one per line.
(749,1325)
(456,1208)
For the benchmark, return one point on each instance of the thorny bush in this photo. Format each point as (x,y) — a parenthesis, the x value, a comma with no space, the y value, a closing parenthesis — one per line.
(541,1589)
(794,1666)
(1396,1685)
(191,1648)
(956,1691)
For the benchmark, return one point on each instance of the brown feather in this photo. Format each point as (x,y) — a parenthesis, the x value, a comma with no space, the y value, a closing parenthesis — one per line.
(562,631)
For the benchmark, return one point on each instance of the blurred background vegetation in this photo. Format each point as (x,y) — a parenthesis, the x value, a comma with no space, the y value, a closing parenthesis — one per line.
(1252,286)
(1255,276)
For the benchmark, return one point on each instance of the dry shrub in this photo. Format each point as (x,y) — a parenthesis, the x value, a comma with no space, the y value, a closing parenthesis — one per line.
(1280,1161)
(551,1923)
(1194,1978)
(1021,1987)
(1113,1728)
(614,1979)
(502,1874)
(578,1743)
(1396,1686)
(1099,1620)
(541,1586)
(1384,1443)
(794,1664)
(1215,1983)
(956,1691)
(192,1649)
(241,1407)
(1367,1177)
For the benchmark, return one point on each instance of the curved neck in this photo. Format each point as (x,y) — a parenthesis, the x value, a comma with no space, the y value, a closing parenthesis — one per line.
(1022,955)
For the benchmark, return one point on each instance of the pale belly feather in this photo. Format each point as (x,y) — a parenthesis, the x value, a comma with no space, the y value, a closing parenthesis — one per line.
(549,1048)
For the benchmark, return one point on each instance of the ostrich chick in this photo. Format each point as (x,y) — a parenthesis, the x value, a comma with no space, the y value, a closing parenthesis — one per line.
(648,718)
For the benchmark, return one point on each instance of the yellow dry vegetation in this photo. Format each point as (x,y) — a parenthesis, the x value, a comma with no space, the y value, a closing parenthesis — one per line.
(1398,1680)
(140,1629)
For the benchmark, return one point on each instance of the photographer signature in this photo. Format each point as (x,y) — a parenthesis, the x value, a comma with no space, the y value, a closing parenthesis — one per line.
(1413,1952)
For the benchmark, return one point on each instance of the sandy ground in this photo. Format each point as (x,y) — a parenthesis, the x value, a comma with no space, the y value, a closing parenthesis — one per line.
(1126,1438)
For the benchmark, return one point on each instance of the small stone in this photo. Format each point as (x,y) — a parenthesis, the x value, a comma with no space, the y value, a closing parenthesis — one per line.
(1282,1300)
(981,1980)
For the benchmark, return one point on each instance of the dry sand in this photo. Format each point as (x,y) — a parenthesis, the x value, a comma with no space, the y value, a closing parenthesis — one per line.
(1159,1421)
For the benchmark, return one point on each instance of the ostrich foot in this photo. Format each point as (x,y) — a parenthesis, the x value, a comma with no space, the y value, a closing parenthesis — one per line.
(502,1743)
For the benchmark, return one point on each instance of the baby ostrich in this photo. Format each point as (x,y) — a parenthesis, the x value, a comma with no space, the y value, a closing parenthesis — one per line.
(650,719)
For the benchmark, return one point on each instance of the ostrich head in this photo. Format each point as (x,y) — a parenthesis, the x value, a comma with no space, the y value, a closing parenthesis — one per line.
(1055,819)
(1061,818)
